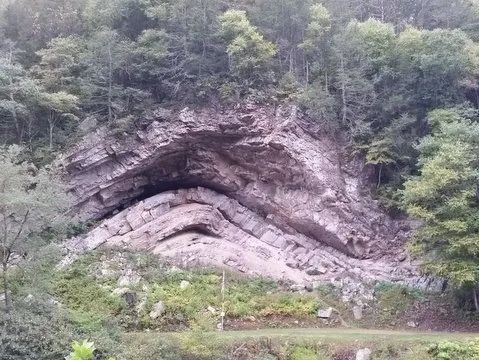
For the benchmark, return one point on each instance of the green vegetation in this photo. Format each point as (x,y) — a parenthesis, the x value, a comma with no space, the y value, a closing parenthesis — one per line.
(302,353)
(32,203)
(445,197)
(289,344)
(355,69)
(448,350)
(395,82)
(393,301)
(91,309)
(83,351)
(92,301)
(368,71)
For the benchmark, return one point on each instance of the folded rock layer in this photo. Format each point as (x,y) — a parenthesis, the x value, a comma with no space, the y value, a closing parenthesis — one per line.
(252,188)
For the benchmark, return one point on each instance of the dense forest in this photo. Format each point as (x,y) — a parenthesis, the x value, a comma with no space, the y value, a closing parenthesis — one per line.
(396,80)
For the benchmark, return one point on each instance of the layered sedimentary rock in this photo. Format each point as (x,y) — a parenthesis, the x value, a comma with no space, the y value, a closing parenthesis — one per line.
(257,189)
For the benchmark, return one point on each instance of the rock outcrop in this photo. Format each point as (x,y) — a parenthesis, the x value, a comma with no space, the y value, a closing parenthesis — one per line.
(255,189)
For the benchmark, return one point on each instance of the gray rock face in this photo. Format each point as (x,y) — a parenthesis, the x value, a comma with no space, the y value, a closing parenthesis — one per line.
(254,189)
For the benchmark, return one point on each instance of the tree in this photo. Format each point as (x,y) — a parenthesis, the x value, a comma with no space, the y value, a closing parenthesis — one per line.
(362,51)
(107,60)
(17,92)
(315,43)
(59,67)
(32,24)
(31,202)
(284,23)
(433,68)
(392,146)
(445,196)
(59,105)
(248,51)
(321,106)
(194,53)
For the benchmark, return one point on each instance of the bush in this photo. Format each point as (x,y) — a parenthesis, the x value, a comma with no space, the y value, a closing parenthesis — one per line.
(448,350)
(302,353)
(243,297)
(84,351)
(393,301)
(35,331)
(144,346)
(89,303)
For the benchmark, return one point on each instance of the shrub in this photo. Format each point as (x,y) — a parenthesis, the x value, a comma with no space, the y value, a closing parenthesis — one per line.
(89,303)
(243,297)
(81,351)
(289,305)
(393,301)
(302,353)
(36,330)
(84,351)
(448,350)
(144,346)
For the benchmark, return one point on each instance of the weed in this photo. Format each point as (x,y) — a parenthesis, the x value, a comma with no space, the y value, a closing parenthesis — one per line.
(300,352)
(393,300)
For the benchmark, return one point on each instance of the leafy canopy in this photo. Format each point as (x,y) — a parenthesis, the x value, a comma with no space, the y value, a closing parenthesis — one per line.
(445,196)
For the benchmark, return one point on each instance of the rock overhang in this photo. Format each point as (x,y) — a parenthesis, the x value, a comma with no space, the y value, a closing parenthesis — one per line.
(271,163)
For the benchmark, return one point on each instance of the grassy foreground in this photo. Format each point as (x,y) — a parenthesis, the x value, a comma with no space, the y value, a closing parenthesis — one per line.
(108,297)
(338,335)
(310,344)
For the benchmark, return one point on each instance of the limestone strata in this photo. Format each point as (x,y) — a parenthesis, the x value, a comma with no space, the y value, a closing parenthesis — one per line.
(199,226)
(254,188)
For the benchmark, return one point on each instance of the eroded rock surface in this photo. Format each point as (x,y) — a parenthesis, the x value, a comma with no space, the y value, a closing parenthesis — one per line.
(255,189)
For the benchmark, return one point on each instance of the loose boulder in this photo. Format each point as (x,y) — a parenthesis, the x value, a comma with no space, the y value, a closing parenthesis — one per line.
(363,354)
(357,312)
(157,310)
(325,313)
(184,284)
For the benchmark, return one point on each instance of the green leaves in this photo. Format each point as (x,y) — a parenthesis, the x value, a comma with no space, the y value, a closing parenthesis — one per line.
(249,52)
(59,102)
(444,197)
(82,351)
(30,200)
(59,67)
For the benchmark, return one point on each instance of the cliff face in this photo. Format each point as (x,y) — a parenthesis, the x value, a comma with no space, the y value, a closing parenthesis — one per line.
(251,188)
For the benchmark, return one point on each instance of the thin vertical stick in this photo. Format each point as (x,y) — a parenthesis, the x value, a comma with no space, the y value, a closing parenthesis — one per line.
(476,304)
(223,303)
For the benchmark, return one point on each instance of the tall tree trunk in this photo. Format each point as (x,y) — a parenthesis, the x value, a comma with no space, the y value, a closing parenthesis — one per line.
(12,99)
(307,73)
(5,287)
(51,126)
(343,90)
(291,61)
(110,84)
(326,80)
(380,173)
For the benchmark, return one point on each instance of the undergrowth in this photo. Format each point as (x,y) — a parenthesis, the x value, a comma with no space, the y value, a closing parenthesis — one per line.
(87,290)
(393,300)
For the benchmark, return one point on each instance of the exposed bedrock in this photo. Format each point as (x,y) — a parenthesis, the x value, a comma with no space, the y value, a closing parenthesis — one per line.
(253,188)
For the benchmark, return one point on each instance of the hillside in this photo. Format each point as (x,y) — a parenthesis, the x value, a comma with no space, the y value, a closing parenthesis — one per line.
(177,177)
